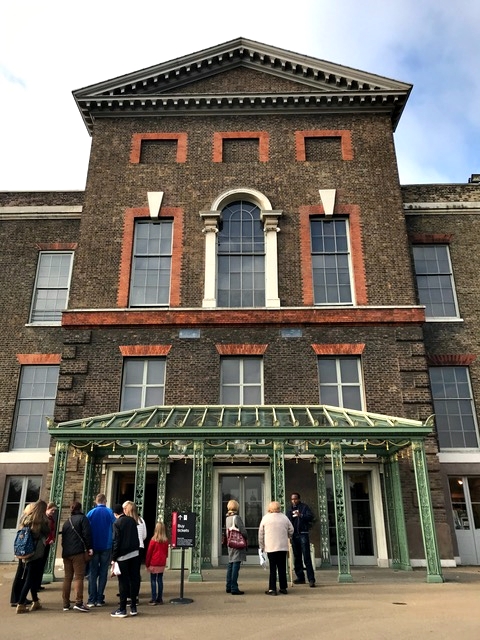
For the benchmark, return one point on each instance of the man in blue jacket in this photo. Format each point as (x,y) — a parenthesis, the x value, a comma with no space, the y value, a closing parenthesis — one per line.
(101,520)
(301,516)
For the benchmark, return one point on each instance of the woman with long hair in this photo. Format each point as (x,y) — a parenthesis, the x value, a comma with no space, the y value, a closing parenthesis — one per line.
(130,509)
(156,560)
(35,517)
(235,556)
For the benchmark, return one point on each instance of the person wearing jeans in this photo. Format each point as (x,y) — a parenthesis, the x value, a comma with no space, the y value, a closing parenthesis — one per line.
(301,516)
(101,520)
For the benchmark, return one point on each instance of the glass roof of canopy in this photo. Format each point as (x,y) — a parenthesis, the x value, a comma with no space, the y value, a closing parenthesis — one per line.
(201,419)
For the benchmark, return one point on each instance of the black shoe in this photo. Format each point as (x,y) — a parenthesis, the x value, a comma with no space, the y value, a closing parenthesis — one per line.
(237,593)
(226,591)
(270,592)
(41,588)
(312,583)
(283,591)
(298,581)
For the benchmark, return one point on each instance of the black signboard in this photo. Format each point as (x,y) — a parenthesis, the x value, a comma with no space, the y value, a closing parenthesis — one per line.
(183,530)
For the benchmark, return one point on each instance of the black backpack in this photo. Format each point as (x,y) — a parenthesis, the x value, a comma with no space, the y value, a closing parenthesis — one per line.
(24,545)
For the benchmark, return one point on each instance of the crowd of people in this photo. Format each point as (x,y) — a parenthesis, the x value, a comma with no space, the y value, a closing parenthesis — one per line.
(112,541)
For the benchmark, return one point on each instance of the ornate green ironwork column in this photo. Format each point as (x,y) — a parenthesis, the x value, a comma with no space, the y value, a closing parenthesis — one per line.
(344,574)
(141,475)
(207,513)
(92,476)
(396,515)
(161,487)
(322,506)
(197,508)
(432,555)
(278,473)
(56,495)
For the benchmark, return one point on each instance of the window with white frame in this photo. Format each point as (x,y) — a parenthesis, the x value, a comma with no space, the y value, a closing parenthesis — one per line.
(151,263)
(52,284)
(455,415)
(340,381)
(36,400)
(143,383)
(330,261)
(241,381)
(19,491)
(435,284)
(241,257)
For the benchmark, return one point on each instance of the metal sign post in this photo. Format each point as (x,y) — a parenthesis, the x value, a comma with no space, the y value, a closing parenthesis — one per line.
(183,536)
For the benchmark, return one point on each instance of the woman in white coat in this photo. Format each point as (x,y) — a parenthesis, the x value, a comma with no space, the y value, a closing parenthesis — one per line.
(273,535)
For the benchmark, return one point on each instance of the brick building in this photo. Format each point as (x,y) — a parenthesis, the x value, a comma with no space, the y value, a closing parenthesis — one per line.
(244,302)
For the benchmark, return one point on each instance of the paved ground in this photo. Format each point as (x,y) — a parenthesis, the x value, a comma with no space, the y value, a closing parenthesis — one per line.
(380,604)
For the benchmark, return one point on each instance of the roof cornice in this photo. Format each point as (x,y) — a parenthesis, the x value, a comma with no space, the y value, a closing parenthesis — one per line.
(329,88)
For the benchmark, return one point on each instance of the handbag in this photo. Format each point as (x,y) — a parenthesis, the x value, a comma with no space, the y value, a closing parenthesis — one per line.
(235,540)
(86,555)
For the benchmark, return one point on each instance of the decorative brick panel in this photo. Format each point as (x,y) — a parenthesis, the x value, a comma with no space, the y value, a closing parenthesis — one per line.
(344,135)
(137,139)
(451,360)
(56,246)
(261,136)
(39,358)
(430,238)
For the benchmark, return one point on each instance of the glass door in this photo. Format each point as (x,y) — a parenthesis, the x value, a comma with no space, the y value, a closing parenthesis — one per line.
(465,499)
(19,491)
(247,490)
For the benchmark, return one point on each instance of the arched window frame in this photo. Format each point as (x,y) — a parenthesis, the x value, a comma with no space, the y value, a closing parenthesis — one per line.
(269,218)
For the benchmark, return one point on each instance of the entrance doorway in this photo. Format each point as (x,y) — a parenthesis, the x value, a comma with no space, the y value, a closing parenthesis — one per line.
(123,488)
(360,504)
(19,491)
(465,496)
(247,487)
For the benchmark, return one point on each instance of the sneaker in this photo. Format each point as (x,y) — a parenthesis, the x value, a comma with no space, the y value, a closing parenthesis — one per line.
(312,583)
(101,604)
(152,602)
(133,610)
(67,607)
(81,607)
(159,601)
(119,613)
(298,581)
(90,605)
(35,605)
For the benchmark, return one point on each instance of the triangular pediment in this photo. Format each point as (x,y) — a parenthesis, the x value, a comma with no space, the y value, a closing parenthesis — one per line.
(242,74)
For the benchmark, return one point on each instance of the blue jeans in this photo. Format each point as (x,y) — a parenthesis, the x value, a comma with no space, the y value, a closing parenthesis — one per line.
(301,553)
(233,569)
(156,583)
(98,575)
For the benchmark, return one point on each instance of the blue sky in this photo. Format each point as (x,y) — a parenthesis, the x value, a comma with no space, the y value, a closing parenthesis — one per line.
(50,48)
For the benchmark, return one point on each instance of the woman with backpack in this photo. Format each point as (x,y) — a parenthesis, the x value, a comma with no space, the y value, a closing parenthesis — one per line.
(36,520)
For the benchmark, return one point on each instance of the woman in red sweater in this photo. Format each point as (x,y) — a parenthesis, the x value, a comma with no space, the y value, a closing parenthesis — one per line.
(155,561)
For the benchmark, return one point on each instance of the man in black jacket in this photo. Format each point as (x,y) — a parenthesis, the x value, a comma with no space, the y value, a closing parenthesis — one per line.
(301,516)
(126,553)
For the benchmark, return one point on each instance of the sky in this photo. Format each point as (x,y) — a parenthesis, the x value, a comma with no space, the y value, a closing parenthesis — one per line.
(50,48)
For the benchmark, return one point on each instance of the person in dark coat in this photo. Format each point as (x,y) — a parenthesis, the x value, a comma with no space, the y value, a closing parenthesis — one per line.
(126,553)
(76,544)
(301,516)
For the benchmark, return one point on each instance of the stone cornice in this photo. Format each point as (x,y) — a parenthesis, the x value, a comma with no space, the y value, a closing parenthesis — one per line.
(328,87)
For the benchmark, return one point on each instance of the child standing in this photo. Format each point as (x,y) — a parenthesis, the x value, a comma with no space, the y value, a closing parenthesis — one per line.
(155,561)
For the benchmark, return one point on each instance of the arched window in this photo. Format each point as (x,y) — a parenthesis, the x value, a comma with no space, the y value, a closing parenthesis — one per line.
(241,251)
(241,257)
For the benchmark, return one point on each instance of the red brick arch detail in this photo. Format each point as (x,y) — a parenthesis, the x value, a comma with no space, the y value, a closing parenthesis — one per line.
(241,349)
(430,238)
(451,360)
(56,246)
(39,358)
(261,136)
(345,141)
(127,247)
(138,138)
(338,349)
(351,211)
(145,350)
